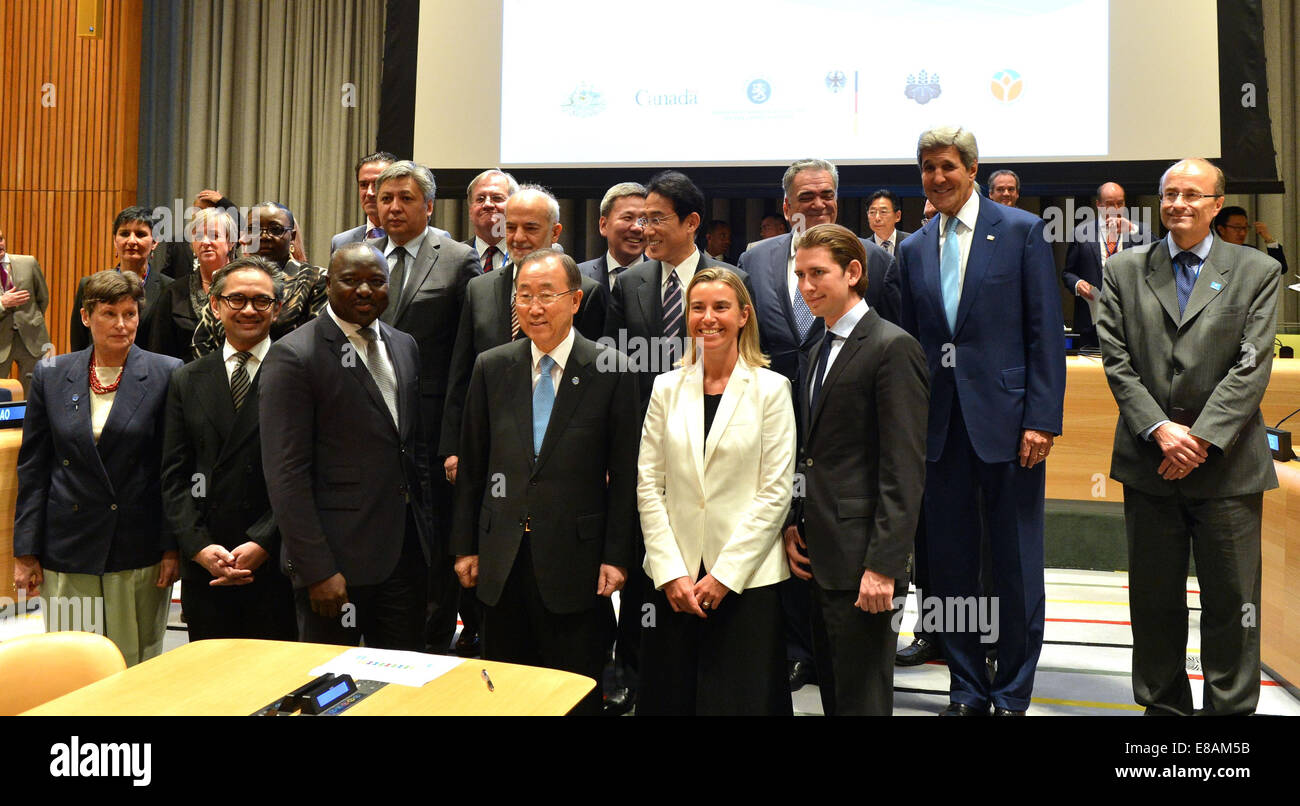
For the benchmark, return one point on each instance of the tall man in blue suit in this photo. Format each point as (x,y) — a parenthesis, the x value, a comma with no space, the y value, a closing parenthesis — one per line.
(979,293)
(788,329)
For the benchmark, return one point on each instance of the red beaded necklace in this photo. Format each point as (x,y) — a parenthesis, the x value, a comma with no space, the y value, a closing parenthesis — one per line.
(95,385)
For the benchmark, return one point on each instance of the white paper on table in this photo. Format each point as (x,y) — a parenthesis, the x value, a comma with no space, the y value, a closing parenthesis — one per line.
(1294,286)
(389,666)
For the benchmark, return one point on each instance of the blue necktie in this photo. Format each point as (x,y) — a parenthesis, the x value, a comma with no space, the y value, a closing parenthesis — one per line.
(950,273)
(803,315)
(375,232)
(543,402)
(819,372)
(1185,277)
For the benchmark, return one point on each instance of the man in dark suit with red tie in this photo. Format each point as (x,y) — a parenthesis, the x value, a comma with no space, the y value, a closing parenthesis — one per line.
(487,196)
(1094,243)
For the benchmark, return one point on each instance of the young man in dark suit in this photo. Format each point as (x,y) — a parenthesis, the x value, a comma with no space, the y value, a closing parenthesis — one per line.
(346,464)
(214,491)
(788,330)
(546,493)
(862,404)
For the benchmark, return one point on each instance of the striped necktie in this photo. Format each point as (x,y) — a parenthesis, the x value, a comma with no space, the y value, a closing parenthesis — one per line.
(239,382)
(672,320)
(380,371)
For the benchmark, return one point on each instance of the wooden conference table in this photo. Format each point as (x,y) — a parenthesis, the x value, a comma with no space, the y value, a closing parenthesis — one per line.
(239,677)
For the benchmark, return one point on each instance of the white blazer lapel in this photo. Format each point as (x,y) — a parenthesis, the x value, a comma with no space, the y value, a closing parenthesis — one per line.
(737,386)
(692,404)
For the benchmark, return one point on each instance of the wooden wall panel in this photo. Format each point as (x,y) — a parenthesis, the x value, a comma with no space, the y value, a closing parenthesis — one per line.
(68,139)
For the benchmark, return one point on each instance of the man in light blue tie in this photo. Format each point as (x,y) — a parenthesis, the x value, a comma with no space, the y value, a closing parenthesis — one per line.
(1186,327)
(979,292)
(545,514)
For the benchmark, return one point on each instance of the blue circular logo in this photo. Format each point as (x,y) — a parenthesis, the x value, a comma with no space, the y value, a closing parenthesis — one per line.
(759,91)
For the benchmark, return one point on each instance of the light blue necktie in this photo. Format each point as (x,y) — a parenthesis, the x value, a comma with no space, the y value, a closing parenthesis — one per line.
(543,402)
(950,273)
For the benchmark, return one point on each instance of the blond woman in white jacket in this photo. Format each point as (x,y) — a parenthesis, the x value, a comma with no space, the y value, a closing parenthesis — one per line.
(714,481)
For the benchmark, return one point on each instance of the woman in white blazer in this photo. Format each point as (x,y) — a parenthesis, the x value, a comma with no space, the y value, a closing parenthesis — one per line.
(714,482)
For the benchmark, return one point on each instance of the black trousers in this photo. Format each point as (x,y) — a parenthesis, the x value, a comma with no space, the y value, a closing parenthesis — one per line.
(261,609)
(855,654)
(731,663)
(1224,536)
(444,587)
(389,615)
(519,629)
(796,605)
(627,646)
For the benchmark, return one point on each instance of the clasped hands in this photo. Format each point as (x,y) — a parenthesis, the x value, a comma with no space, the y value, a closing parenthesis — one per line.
(234,567)
(685,597)
(1183,452)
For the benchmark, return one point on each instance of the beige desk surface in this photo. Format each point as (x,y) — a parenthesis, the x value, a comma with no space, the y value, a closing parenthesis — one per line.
(1079,467)
(238,677)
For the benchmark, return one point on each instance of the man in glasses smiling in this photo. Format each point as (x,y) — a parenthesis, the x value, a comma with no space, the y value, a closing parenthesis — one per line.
(233,586)
(1186,328)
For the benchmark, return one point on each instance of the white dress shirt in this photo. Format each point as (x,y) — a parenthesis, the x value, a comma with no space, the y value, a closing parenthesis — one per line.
(966,218)
(560,355)
(685,271)
(255,359)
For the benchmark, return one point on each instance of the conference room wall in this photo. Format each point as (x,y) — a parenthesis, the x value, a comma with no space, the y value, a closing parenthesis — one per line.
(68,140)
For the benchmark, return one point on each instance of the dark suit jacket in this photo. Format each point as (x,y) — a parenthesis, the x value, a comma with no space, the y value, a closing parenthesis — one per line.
(339,475)
(172,331)
(597,269)
(485,323)
(635,319)
(1212,363)
(778,334)
(576,520)
(1083,262)
(1005,365)
(862,455)
(899,237)
(85,508)
(430,311)
(205,435)
(156,287)
(1277,254)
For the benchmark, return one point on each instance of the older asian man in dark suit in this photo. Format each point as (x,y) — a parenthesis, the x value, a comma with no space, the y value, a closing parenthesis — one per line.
(787,330)
(428,275)
(346,463)
(488,320)
(1094,243)
(980,295)
(1187,326)
(214,490)
(620,224)
(884,212)
(545,500)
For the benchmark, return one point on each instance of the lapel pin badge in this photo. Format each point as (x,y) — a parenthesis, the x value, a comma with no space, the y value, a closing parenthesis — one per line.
(1216,285)
(575,381)
(990,237)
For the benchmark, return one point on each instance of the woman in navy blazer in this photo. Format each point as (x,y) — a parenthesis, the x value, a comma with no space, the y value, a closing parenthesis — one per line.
(89,523)
(714,482)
